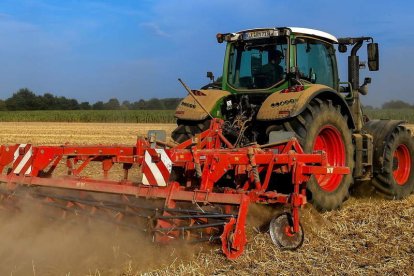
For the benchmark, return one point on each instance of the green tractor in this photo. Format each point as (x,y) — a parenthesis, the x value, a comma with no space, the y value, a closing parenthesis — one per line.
(283,82)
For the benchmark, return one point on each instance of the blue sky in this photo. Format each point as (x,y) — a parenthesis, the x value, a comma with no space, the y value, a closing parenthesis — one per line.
(96,50)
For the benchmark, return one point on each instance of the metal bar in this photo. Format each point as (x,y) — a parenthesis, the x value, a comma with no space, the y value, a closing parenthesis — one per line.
(325,170)
(195,98)
(193,227)
(115,188)
(217,216)
(207,239)
(102,203)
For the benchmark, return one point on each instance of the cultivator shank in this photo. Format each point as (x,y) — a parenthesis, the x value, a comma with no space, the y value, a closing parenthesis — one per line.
(199,190)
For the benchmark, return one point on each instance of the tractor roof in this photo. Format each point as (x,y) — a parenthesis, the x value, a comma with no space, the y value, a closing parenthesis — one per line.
(313,32)
(275,31)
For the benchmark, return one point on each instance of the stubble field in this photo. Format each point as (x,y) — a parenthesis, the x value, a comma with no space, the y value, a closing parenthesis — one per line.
(368,236)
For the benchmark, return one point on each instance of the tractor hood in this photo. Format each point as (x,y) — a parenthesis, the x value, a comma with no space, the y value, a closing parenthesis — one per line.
(189,109)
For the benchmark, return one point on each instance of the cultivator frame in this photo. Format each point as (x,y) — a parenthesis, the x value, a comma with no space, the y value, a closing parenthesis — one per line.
(191,179)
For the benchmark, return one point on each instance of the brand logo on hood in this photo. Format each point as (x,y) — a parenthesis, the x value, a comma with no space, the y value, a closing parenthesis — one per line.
(189,105)
(283,103)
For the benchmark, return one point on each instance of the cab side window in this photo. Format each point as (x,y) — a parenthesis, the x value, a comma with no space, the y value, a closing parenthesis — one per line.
(315,61)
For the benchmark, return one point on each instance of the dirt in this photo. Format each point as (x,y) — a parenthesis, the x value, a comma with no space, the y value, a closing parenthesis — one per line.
(35,244)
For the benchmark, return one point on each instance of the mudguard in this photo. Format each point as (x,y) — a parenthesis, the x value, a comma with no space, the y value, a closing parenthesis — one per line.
(189,109)
(287,105)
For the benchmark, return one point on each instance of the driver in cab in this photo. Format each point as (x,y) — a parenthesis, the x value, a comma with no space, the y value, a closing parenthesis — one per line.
(272,70)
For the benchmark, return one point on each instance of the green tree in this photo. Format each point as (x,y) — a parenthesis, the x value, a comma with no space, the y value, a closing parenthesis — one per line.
(171,103)
(154,104)
(396,105)
(49,101)
(140,105)
(24,99)
(3,106)
(112,104)
(98,105)
(126,105)
(85,106)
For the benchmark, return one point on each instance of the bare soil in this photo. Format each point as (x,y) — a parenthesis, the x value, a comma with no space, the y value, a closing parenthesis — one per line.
(369,235)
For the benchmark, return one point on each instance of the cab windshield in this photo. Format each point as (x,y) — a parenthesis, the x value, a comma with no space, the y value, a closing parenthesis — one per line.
(258,64)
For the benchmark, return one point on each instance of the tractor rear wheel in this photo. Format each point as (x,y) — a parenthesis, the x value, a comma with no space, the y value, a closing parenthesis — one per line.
(396,180)
(322,126)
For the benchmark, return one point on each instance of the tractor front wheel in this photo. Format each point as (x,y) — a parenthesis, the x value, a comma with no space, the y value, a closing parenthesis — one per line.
(188,129)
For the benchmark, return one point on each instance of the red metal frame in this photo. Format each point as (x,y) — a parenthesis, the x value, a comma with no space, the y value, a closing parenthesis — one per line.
(204,161)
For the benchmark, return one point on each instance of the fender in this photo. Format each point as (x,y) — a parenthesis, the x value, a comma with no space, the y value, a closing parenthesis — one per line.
(189,109)
(280,106)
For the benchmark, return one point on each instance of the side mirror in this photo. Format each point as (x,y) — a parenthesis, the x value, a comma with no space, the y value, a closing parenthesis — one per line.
(373,56)
(210,75)
(342,48)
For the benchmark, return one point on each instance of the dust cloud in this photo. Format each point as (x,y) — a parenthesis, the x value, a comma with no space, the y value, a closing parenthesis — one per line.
(34,244)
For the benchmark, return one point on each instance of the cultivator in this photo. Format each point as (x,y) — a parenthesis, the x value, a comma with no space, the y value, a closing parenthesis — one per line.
(199,190)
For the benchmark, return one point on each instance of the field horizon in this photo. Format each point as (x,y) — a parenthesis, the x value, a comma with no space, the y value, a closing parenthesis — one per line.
(149,116)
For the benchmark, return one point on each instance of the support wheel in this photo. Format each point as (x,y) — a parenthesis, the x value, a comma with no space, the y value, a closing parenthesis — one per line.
(228,241)
(281,232)
(397,177)
(322,126)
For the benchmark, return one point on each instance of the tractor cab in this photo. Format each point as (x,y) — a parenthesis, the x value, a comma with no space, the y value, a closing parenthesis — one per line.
(267,60)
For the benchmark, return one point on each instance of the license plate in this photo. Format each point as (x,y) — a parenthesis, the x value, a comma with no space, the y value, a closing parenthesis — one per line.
(257,34)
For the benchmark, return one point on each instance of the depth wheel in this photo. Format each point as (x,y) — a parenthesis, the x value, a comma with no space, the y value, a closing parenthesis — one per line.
(281,232)
(397,177)
(227,241)
(322,126)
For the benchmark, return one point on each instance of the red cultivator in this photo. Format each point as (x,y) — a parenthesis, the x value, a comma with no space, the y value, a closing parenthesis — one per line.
(197,190)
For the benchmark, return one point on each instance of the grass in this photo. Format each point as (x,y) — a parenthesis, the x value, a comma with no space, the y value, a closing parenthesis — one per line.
(147,116)
(406,114)
(90,116)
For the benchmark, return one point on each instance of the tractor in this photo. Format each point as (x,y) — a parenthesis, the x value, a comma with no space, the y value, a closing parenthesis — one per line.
(279,83)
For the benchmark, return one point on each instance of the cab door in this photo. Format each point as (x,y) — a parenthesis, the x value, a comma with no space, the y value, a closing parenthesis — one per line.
(316,62)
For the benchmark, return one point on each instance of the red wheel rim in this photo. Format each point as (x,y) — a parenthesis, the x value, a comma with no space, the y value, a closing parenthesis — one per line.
(401,164)
(288,231)
(330,140)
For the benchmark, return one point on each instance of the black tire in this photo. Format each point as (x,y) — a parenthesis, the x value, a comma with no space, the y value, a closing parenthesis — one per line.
(323,119)
(396,179)
(188,129)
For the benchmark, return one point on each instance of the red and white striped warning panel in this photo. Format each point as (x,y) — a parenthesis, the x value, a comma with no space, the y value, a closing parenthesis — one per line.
(22,161)
(156,171)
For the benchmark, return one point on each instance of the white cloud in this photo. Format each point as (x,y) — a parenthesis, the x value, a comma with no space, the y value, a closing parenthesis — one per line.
(155,28)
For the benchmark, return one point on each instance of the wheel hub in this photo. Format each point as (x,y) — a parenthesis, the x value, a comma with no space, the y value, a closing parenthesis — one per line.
(401,164)
(330,140)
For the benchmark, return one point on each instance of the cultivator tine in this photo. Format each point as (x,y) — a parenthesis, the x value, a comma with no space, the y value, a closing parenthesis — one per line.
(216,216)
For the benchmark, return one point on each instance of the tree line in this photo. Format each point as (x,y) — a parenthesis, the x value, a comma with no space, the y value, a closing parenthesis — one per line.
(24,99)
